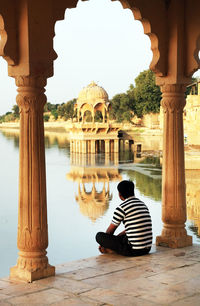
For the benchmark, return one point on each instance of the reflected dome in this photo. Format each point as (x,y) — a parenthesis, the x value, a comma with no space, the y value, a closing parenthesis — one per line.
(93,204)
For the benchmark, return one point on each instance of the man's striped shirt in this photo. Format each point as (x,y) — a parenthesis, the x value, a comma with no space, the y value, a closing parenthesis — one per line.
(137,221)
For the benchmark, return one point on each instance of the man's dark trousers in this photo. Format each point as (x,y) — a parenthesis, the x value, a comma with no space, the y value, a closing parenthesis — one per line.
(119,244)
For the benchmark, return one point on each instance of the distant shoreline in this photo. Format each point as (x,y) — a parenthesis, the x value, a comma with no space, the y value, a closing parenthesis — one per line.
(63,127)
(59,127)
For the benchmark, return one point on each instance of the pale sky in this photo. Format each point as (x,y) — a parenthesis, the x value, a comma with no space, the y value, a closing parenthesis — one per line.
(98,41)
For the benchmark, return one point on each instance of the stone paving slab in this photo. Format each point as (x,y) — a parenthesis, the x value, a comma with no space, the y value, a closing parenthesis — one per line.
(164,277)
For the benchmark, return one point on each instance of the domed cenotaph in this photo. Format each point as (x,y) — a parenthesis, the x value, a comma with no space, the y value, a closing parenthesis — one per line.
(93,133)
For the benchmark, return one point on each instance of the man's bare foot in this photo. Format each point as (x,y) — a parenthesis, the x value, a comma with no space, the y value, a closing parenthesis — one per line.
(105,251)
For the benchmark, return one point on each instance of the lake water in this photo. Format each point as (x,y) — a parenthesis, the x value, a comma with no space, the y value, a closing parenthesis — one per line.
(81,197)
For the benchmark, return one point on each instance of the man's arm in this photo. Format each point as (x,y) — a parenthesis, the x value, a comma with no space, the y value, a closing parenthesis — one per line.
(111,229)
(122,233)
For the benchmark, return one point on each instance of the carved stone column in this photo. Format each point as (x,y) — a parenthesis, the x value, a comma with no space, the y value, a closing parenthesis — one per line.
(77,146)
(174,234)
(93,146)
(116,145)
(84,146)
(112,146)
(32,239)
(107,146)
(80,147)
(71,146)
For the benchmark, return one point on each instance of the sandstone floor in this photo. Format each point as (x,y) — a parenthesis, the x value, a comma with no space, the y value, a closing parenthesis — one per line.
(164,277)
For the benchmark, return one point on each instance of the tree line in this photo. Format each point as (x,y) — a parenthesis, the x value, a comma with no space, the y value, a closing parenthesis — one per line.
(142,98)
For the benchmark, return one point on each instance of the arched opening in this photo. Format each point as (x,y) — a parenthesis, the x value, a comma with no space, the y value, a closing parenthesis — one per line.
(98,116)
(117,76)
(65,85)
(87,115)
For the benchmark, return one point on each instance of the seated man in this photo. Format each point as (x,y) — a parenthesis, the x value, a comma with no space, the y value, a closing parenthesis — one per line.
(136,240)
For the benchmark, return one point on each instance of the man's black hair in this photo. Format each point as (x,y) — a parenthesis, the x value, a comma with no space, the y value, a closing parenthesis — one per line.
(126,189)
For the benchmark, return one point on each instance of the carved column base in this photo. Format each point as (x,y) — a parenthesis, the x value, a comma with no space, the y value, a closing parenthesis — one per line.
(32,267)
(174,237)
(28,276)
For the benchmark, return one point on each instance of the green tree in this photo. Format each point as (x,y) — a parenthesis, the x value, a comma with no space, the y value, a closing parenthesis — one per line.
(122,107)
(15,110)
(61,110)
(54,112)
(66,110)
(46,117)
(49,107)
(147,94)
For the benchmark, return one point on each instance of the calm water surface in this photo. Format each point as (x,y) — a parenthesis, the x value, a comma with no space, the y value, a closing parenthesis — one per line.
(81,197)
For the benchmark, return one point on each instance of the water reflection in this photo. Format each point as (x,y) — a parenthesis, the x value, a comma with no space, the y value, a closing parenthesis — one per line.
(12,135)
(93,176)
(193,200)
(147,175)
(59,140)
(89,188)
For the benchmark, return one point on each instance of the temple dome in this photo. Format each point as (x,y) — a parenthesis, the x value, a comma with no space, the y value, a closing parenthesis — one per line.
(92,94)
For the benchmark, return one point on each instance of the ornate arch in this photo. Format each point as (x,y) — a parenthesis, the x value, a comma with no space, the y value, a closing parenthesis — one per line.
(145,13)
(155,16)
(84,107)
(192,36)
(99,105)
(8,47)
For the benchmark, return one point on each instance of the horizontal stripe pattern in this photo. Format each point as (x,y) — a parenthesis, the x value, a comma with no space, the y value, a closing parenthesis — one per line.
(137,221)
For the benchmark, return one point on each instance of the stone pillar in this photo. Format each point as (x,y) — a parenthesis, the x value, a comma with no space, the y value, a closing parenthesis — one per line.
(72,159)
(107,159)
(97,145)
(198,89)
(93,115)
(116,145)
(93,146)
(102,146)
(131,146)
(77,146)
(80,147)
(89,146)
(174,234)
(116,158)
(32,238)
(84,146)
(93,160)
(71,146)
(74,146)
(112,146)
(107,146)
(103,115)
(123,145)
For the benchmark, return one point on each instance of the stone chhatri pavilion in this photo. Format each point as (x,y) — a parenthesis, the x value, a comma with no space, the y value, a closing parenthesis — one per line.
(90,136)
(27,32)
(92,98)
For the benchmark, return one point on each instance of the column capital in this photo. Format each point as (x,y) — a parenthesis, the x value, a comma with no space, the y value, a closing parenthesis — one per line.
(173,88)
(173,97)
(30,81)
(30,93)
